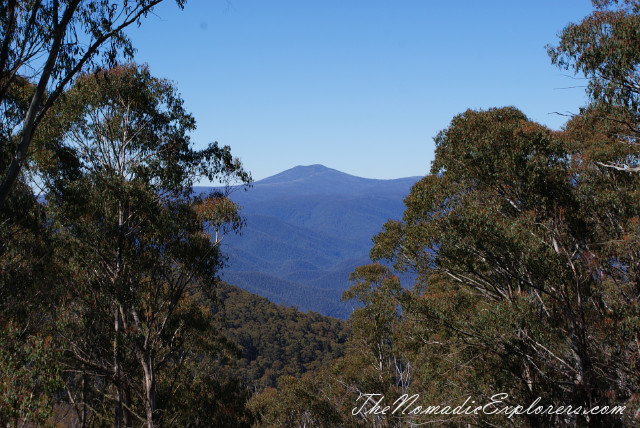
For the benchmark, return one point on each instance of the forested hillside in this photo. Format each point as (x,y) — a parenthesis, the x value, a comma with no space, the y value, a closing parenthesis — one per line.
(275,340)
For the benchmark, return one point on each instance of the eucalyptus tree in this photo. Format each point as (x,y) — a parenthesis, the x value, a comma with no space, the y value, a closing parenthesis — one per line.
(525,262)
(140,244)
(28,295)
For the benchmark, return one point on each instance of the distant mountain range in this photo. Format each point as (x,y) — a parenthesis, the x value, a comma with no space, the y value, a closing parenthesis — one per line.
(307,229)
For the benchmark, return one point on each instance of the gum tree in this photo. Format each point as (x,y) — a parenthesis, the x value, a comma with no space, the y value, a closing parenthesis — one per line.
(523,247)
(140,244)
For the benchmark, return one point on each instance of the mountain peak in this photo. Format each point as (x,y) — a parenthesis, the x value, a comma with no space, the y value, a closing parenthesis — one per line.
(308,170)
(308,180)
(314,167)
(300,172)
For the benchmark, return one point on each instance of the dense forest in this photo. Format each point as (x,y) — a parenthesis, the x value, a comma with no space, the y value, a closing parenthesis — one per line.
(523,242)
(275,340)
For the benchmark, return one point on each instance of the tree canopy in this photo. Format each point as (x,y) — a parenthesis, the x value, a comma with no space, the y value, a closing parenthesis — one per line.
(49,43)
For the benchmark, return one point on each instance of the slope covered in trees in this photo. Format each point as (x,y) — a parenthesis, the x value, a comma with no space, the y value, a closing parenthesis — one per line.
(275,340)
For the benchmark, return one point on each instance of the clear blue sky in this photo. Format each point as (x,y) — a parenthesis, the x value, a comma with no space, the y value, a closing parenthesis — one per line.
(362,86)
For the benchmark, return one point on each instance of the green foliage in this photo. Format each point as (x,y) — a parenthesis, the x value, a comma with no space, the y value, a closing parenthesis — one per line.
(276,341)
(29,273)
(137,242)
(29,375)
(524,241)
(604,46)
(301,402)
(506,217)
(197,389)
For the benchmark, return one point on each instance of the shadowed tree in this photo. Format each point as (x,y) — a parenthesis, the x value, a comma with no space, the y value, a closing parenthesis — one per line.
(140,243)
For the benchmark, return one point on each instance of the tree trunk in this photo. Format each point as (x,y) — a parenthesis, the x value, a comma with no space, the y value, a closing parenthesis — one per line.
(150,391)
(116,371)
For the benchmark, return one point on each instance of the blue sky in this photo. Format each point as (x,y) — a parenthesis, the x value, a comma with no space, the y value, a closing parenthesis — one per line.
(362,86)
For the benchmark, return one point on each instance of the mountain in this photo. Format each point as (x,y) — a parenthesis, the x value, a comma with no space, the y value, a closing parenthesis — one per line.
(307,229)
(320,180)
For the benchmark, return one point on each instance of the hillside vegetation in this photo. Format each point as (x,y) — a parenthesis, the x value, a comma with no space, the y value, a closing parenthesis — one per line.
(276,340)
